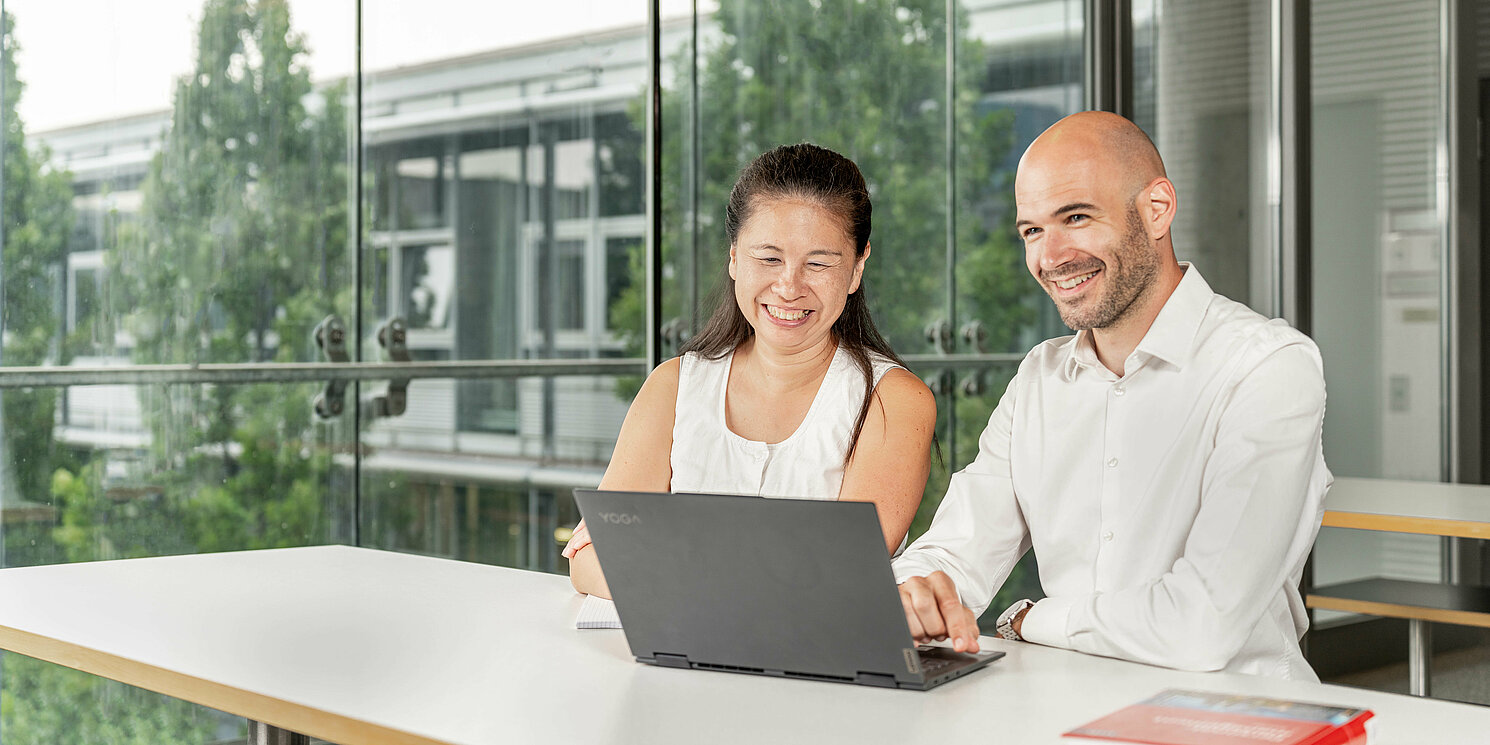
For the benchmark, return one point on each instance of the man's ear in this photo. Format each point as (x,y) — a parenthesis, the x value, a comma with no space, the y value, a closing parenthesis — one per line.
(1157,205)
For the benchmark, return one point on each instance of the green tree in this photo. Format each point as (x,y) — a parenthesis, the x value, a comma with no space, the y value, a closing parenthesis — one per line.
(866,78)
(241,248)
(40,702)
(37,217)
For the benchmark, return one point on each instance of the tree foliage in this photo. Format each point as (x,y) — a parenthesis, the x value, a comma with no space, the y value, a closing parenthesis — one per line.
(37,216)
(240,250)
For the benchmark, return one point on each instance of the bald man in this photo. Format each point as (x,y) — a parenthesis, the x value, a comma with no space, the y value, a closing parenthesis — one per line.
(1164,462)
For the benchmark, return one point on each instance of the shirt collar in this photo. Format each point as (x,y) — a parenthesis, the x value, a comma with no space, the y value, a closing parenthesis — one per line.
(1170,338)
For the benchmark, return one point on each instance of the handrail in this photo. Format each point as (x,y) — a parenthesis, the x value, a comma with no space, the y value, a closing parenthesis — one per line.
(320,372)
(307,372)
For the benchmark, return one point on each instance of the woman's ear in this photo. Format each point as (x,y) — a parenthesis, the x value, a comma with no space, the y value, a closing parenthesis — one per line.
(853,285)
(732,262)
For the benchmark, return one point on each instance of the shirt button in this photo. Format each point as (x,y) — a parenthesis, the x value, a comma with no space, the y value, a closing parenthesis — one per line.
(1107,536)
(1119,390)
(1112,463)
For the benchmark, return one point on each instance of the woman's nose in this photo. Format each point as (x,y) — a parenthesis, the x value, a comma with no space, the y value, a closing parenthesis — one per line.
(788,283)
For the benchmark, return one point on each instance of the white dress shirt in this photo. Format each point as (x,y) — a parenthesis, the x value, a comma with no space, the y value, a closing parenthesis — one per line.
(1171,509)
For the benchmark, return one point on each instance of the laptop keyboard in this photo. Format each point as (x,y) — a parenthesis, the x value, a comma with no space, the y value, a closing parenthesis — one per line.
(932,665)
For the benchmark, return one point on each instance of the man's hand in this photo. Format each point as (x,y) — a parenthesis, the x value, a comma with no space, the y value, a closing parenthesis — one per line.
(933,611)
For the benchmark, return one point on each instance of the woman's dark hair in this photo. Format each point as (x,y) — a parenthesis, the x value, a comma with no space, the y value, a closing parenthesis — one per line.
(818,176)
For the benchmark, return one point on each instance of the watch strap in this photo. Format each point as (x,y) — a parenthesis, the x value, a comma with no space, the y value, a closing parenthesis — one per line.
(1005,625)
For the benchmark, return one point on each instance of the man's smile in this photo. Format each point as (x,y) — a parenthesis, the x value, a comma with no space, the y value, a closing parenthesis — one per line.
(1072,282)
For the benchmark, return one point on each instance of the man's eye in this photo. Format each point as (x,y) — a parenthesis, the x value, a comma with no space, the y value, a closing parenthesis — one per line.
(1029,233)
(770,260)
(1077,218)
(817,265)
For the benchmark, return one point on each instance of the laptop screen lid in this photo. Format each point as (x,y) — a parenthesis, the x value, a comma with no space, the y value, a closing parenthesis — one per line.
(790,585)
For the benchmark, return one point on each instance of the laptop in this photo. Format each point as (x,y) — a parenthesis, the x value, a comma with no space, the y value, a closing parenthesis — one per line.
(790,588)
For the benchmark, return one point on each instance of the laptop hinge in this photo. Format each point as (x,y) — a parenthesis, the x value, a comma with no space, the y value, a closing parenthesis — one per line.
(875,679)
(672,660)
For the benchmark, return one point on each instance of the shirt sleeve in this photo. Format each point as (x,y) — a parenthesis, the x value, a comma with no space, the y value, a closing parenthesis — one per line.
(1262,490)
(978,533)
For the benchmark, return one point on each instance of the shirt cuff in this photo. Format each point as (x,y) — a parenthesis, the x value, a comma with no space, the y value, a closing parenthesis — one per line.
(1045,622)
(906,566)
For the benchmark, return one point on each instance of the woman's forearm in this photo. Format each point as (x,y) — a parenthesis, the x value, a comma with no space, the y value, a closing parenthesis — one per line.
(585,574)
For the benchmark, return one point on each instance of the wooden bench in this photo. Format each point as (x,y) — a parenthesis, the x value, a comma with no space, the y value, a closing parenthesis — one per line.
(1425,508)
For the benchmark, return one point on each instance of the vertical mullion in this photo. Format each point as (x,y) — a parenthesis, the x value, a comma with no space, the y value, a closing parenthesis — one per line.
(1291,161)
(1289,181)
(1460,298)
(951,224)
(654,185)
(358,247)
(695,174)
(1109,56)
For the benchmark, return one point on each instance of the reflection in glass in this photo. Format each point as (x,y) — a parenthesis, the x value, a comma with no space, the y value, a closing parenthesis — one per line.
(420,185)
(428,280)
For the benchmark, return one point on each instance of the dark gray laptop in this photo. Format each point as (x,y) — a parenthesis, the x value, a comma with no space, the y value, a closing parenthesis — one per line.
(791,588)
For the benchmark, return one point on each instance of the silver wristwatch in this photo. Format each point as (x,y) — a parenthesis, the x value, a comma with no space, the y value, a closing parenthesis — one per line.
(1006,619)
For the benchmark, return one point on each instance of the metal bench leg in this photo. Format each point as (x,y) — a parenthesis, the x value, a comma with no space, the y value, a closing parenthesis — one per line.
(1419,656)
(266,734)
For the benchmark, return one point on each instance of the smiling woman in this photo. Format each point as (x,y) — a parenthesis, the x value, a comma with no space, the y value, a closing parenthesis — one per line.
(789,390)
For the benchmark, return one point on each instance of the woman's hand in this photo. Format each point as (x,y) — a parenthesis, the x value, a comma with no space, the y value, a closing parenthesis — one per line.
(578,540)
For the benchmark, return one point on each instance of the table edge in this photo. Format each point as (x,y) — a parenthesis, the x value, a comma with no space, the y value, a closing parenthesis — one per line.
(252,705)
(1405,524)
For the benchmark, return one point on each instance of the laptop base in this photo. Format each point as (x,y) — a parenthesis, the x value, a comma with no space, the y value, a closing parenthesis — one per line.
(938,664)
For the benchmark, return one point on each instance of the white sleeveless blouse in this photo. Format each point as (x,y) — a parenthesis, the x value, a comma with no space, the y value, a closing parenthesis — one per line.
(707,457)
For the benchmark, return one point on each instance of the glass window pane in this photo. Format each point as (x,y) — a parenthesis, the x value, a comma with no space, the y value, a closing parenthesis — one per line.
(1020,70)
(488,492)
(1202,89)
(428,281)
(534,133)
(1376,254)
(185,205)
(122,471)
(420,186)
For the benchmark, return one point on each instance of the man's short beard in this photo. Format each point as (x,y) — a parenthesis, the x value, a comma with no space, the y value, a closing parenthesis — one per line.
(1134,266)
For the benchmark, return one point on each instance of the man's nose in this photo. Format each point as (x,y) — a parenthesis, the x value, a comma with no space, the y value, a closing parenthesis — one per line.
(1056,249)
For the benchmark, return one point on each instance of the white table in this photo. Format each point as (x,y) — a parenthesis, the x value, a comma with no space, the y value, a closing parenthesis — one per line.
(1427,508)
(1424,508)
(361,646)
